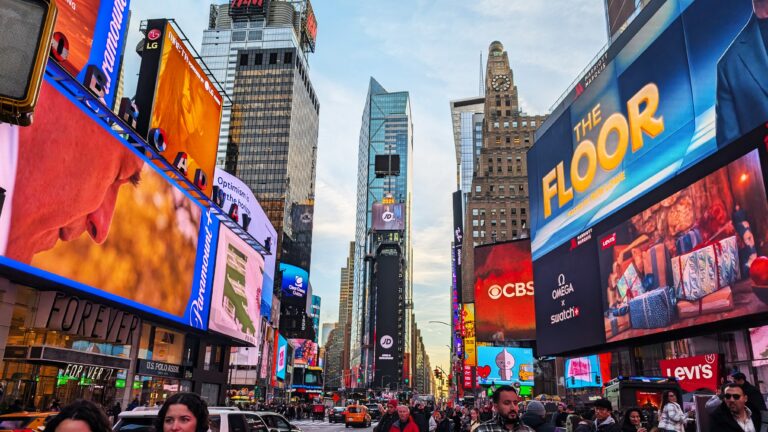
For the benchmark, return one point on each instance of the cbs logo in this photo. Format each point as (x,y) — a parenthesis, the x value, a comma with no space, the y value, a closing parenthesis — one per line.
(517,289)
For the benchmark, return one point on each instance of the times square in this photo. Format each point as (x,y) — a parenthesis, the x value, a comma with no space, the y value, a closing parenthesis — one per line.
(591,255)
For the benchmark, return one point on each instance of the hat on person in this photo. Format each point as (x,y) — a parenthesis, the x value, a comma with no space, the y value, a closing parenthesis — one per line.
(392,403)
(604,403)
(536,407)
(739,376)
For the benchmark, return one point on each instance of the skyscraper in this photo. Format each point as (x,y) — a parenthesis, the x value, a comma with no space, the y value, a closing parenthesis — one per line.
(386,137)
(467,118)
(346,286)
(497,202)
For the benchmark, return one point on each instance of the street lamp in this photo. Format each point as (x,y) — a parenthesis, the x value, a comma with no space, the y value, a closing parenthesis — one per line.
(440,322)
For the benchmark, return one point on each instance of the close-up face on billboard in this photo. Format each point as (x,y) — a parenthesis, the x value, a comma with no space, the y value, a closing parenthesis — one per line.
(237,288)
(677,91)
(304,352)
(504,304)
(685,260)
(505,365)
(95,35)
(186,104)
(107,218)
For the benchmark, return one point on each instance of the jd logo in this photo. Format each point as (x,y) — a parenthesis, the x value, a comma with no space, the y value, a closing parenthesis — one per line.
(387,341)
(388,216)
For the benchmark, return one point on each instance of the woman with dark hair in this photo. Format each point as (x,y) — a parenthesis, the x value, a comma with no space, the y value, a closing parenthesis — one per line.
(183,412)
(633,421)
(672,417)
(79,416)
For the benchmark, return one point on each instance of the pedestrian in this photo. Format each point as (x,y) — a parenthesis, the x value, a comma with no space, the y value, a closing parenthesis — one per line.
(441,422)
(486,413)
(562,416)
(633,421)
(420,417)
(389,417)
(134,403)
(672,417)
(733,415)
(79,416)
(433,419)
(584,422)
(755,400)
(604,422)
(456,417)
(535,417)
(505,401)
(183,412)
(404,421)
(474,419)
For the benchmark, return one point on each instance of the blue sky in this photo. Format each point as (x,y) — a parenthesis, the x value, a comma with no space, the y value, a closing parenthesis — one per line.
(430,48)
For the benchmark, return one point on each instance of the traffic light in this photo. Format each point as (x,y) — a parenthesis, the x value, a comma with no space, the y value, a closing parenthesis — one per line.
(26,30)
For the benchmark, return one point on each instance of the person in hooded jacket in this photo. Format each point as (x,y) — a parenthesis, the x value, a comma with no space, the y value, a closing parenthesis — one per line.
(535,417)
(604,422)
(404,421)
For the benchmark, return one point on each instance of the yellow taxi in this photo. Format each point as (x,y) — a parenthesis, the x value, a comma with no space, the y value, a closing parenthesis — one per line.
(25,421)
(357,415)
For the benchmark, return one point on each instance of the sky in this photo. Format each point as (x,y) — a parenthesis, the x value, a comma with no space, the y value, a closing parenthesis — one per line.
(430,48)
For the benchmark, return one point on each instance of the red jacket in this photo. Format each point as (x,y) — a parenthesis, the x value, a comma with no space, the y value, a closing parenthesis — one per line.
(409,427)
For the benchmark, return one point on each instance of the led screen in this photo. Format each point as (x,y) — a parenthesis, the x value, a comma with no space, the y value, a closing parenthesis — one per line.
(581,372)
(504,302)
(665,95)
(237,287)
(505,365)
(281,359)
(295,281)
(685,260)
(84,206)
(95,35)
(175,95)
(304,352)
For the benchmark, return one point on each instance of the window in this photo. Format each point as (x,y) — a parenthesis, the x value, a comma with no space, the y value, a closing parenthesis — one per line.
(498,102)
(508,140)
(520,187)
(240,24)
(255,35)
(493,222)
(238,36)
(495,125)
(509,113)
(475,234)
(514,124)
(259,59)
(498,140)
(506,102)
(475,222)
(244,59)
(478,188)
(506,124)
(498,113)
(474,212)
(513,211)
(522,211)
(533,123)
(254,423)
(288,58)
(272,58)
(236,422)
(525,124)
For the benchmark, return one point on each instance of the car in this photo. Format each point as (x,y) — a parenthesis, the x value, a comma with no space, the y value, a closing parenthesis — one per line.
(374,411)
(337,415)
(222,419)
(28,421)
(357,415)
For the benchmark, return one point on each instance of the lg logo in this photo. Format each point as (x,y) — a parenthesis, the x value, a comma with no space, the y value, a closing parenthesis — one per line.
(518,289)
(387,216)
(387,341)
(154,34)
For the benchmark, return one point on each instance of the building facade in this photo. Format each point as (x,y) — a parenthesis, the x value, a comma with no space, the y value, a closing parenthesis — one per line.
(386,131)
(497,203)
(346,286)
(467,119)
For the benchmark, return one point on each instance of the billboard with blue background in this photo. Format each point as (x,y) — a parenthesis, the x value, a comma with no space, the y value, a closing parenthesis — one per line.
(295,282)
(505,365)
(581,372)
(686,78)
(281,357)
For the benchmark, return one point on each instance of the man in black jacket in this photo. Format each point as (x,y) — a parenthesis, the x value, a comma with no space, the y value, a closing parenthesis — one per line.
(734,415)
(755,400)
(421,417)
(535,417)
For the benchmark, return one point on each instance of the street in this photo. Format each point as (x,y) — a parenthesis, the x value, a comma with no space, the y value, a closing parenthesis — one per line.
(324,426)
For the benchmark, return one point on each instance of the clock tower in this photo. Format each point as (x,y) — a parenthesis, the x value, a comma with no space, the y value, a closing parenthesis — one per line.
(497,205)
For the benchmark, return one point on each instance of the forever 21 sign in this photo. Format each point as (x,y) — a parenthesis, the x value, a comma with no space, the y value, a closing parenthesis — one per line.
(80,317)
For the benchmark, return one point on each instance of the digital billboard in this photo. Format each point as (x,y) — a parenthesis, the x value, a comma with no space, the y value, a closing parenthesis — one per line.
(179,107)
(237,287)
(388,340)
(94,31)
(676,86)
(388,217)
(468,334)
(684,260)
(568,313)
(582,372)
(304,352)
(112,226)
(309,27)
(504,292)
(505,365)
(239,201)
(281,357)
(295,282)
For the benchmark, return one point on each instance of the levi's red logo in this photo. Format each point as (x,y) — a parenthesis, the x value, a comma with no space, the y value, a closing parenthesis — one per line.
(608,241)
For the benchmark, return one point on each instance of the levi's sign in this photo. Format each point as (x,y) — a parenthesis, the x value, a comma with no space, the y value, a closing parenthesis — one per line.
(694,373)
(80,317)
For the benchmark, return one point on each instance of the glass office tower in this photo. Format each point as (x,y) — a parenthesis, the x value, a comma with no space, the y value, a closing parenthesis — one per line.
(386,130)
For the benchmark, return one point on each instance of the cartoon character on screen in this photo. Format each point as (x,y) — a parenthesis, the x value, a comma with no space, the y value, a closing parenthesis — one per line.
(505,361)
